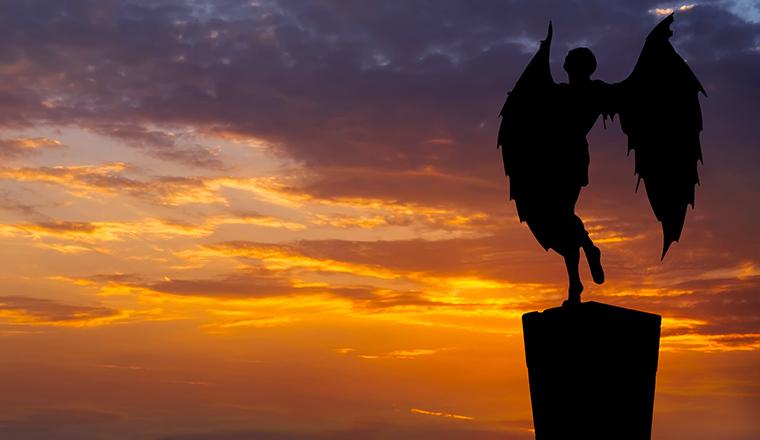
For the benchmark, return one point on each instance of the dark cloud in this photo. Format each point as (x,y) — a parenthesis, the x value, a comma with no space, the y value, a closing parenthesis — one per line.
(61,227)
(427,187)
(333,83)
(163,145)
(121,278)
(255,283)
(364,299)
(103,178)
(11,203)
(27,310)
(114,178)
(727,308)
(375,430)
(243,435)
(56,423)
(399,255)
(261,283)
(381,100)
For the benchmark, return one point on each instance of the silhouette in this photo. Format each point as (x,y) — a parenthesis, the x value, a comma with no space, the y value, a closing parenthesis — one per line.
(543,139)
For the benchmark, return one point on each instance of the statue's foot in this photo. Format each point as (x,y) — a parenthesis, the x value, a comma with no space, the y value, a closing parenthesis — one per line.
(594,258)
(573,294)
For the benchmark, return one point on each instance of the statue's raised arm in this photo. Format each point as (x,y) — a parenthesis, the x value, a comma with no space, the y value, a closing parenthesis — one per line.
(660,113)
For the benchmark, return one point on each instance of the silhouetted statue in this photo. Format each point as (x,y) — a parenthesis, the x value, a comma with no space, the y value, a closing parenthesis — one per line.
(543,139)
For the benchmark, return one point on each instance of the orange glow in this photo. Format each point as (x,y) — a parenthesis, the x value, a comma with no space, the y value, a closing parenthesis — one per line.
(454,416)
(711,343)
(271,283)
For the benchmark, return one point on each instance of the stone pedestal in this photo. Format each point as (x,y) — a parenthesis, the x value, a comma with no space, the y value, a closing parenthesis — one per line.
(592,371)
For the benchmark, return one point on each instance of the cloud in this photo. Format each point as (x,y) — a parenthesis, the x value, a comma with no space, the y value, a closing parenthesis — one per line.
(23,310)
(110,279)
(255,283)
(453,416)
(400,354)
(55,422)
(425,189)
(11,149)
(667,11)
(379,261)
(372,430)
(710,315)
(99,232)
(80,180)
(66,227)
(112,179)
(178,148)
(244,435)
(401,117)
(324,82)
(11,203)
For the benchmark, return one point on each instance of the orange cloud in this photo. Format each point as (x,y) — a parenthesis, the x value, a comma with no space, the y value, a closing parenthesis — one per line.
(400,354)
(13,148)
(92,232)
(381,213)
(109,180)
(662,12)
(440,414)
(711,343)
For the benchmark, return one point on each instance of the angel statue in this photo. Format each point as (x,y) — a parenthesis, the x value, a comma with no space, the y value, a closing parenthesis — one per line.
(547,163)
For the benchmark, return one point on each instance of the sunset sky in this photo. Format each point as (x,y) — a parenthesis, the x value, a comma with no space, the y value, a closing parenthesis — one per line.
(288,220)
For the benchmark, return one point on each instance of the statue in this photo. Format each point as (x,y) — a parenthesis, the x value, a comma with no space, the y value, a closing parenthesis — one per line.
(543,139)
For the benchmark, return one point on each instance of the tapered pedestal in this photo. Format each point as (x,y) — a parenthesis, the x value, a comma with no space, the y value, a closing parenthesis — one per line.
(592,371)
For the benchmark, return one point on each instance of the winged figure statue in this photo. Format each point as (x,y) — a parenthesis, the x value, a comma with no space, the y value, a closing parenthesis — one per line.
(658,107)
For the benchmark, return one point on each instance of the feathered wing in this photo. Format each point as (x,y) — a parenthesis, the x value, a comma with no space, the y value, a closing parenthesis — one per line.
(523,124)
(660,113)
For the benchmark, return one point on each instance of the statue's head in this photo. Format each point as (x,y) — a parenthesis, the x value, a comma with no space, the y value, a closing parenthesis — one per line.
(580,62)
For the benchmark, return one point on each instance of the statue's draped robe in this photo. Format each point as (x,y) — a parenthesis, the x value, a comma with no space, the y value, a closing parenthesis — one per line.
(543,140)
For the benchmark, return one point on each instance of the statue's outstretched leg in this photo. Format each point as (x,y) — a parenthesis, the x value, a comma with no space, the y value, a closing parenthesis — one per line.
(572,259)
(570,251)
(594,258)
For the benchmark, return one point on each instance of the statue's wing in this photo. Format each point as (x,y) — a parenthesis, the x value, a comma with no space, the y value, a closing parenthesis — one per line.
(660,113)
(523,121)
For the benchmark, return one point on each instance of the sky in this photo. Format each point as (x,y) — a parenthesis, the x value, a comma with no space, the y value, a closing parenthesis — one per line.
(288,220)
